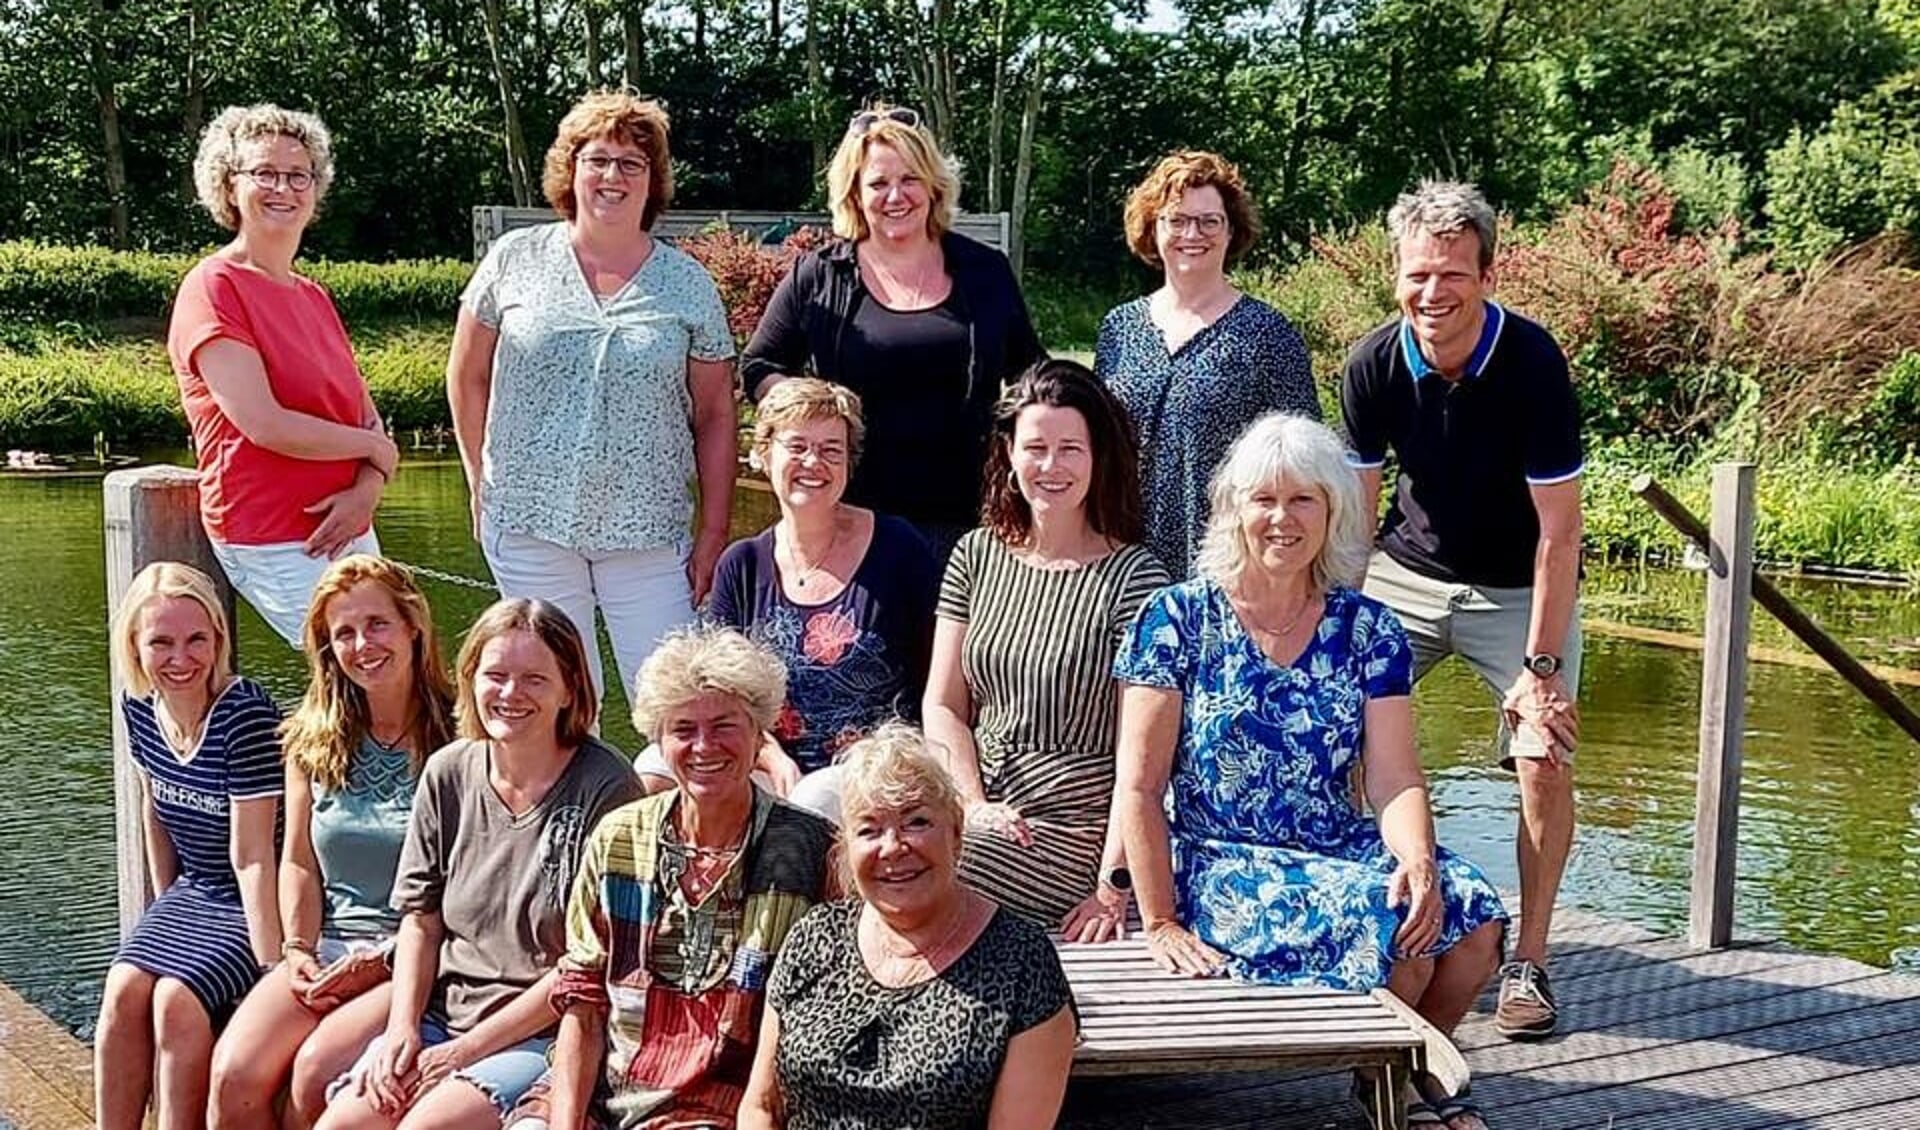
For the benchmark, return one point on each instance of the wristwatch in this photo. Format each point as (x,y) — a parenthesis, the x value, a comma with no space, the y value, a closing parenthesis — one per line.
(1544,665)
(1120,879)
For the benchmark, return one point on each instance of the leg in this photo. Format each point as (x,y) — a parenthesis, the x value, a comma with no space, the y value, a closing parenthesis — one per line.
(1410,978)
(643,595)
(330,1051)
(1457,976)
(253,1055)
(1423,606)
(123,1049)
(183,1035)
(1545,841)
(454,1105)
(531,567)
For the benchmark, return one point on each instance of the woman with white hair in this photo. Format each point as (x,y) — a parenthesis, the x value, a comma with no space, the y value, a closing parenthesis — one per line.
(1274,699)
(291,452)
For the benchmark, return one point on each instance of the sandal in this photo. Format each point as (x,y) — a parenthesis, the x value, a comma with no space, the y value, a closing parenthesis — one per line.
(1421,1113)
(1452,1112)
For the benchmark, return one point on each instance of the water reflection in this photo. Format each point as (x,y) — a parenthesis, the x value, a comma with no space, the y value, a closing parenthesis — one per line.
(1829,838)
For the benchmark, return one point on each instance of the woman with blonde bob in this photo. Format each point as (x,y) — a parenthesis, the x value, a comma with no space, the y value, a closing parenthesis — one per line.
(291,452)
(682,904)
(923,324)
(206,746)
(498,821)
(378,701)
(920,1004)
(842,595)
(591,383)
(1273,697)
(1195,361)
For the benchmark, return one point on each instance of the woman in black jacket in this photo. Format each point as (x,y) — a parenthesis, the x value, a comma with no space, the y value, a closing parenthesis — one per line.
(924,324)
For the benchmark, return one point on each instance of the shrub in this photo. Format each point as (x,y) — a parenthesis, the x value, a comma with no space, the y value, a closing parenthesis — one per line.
(747,271)
(1855,178)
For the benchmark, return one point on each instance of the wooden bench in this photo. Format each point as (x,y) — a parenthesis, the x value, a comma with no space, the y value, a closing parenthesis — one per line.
(1136,1019)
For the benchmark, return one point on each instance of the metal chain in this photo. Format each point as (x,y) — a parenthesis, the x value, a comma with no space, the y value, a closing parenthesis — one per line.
(433,574)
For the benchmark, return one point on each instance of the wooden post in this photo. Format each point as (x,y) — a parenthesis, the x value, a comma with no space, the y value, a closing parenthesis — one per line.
(1723,707)
(152,514)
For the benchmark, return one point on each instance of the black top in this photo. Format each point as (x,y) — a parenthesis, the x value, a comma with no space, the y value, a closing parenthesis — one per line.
(853,661)
(1468,449)
(856,1054)
(927,379)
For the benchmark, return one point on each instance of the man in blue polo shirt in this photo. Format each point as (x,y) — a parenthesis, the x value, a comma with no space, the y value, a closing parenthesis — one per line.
(1479,554)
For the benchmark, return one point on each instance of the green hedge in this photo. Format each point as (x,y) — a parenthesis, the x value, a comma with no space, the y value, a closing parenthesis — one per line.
(94,284)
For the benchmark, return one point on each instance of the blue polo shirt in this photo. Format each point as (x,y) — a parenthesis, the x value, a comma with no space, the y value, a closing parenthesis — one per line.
(1468,449)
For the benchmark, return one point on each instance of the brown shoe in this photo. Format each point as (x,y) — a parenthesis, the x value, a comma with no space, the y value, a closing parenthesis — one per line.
(1526,1010)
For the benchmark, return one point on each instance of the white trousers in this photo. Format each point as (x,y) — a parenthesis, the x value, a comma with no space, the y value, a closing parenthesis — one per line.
(641,594)
(278,579)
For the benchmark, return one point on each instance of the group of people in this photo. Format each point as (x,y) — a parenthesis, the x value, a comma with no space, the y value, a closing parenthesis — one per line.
(1029,643)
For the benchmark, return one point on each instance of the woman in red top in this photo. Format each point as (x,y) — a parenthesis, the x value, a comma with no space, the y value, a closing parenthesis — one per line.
(291,452)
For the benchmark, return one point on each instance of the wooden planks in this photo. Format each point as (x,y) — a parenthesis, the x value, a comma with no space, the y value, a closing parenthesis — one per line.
(45,1074)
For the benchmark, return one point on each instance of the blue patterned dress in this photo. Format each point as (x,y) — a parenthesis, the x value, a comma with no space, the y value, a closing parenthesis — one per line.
(1274,862)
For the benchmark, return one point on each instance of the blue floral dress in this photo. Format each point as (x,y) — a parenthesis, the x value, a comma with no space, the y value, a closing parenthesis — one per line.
(1274,862)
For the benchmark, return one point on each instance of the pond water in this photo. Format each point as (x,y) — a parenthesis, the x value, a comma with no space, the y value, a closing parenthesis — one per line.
(1829,833)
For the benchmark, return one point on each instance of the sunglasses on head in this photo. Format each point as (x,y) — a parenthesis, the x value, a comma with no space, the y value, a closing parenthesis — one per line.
(867,119)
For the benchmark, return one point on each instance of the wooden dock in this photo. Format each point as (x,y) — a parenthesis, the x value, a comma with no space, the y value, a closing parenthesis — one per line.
(1657,1037)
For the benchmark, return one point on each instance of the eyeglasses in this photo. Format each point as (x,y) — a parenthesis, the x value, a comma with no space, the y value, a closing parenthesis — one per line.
(832,454)
(600,164)
(1206,223)
(867,119)
(298,180)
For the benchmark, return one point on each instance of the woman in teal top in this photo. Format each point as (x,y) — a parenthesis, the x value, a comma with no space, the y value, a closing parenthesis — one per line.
(378,700)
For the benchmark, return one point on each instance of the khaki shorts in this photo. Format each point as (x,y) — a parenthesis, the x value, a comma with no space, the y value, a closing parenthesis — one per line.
(1485,626)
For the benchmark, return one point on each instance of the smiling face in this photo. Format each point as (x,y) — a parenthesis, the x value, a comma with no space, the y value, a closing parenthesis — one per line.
(371,638)
(1441,289)
(278,208)
(904,861)
(519,688)
(1284,524)
(178,645)
(807,463)
(610,182)
(1182,237)
(893,197)
(709,743)
(1052,458)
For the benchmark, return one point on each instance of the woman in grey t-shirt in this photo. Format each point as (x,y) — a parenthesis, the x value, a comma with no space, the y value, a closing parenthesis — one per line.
(498,823)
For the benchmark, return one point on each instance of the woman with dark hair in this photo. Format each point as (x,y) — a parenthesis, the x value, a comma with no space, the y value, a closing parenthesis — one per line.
(591,382)
(1020,698)
(1196,361)
(378,701)
(498,823)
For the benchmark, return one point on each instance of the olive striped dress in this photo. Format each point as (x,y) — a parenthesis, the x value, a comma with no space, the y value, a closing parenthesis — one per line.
(1038,661)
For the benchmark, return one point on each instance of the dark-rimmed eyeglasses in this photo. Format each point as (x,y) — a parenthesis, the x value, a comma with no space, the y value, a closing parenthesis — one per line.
(268,179)
(601,164)
(867,119)
(1206,223)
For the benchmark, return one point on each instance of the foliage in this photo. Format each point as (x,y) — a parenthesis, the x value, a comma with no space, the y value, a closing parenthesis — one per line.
(1856,177)
(747,271)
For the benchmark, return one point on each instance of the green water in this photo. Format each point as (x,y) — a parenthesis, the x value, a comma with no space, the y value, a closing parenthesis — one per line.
(1829,834)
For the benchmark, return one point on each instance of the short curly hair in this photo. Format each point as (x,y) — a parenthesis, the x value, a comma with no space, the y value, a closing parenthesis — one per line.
(917,147)
(1170,179)
(799,399)
(219,156)
(693,661)
(615,115)
(895,768)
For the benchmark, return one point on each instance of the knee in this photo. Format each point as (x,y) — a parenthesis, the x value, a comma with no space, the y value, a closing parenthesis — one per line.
(125,1000)
(1545,776)
(313,1072)
(178,1015)
(349,1112)
(1478,953)
(240,1079)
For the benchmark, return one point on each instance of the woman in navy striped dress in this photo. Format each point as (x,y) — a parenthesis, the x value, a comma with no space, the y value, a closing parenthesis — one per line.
(207,749)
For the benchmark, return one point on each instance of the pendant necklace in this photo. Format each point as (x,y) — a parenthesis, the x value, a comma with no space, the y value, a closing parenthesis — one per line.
(803,575)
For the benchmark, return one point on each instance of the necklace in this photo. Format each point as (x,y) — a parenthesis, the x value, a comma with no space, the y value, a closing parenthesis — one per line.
(399,740)
(1246,611)
(897,947)
(803,575)
(896,285)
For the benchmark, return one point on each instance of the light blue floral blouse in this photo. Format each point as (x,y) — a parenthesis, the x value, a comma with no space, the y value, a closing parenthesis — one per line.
(1275,863)
(589,426)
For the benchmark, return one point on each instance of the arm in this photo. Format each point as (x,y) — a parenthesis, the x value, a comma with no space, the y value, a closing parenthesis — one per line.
(299,870)
(1548,704)
(576,1064)
(237,380)
(251,850)
(1033,1079)
(525,1015)
(946,710)
(163,866)
(716,459)
(778,347)
(1149,729)
(416,962)
(469,389)
(760,1107)
(1397,791)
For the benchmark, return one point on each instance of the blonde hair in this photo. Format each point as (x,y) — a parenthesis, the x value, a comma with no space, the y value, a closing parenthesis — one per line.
(324,735)
(916,146)
(219,155)
(611,115)
(894,769)
(703,658)
(1282,445)
(546,623)
(797,400)
(164,580)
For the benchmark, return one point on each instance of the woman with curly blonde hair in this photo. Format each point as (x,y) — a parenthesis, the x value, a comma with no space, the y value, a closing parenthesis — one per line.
(378,701)
(591,381)
(291,451)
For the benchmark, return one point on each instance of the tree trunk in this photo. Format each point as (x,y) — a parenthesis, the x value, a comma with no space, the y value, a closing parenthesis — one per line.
(1488,149)
(107,100)
(193,103)
(700,29)
(930,63)
(1023,162)
(519,171)
(1302,102)
(774,29)
(816,90)
(633,23)
(997,109)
